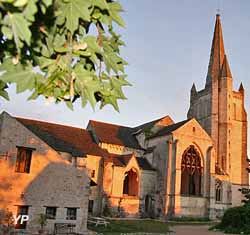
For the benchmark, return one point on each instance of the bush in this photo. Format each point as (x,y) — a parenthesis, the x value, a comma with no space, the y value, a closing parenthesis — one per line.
(6,221)
(190,219)
(236,220)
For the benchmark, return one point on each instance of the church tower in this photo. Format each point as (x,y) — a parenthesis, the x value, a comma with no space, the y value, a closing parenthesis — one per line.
(220,111)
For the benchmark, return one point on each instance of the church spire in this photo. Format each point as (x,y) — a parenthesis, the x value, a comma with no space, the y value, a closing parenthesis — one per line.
(225,70)
(217,53)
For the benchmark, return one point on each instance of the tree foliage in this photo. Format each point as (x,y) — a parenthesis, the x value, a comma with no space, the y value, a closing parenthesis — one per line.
(65,49)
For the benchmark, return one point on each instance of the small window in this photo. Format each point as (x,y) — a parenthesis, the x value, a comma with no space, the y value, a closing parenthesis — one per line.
(71,213)
(50,212)
(93,173)
(218,191)
(91,206)
(21,210)
(23,160)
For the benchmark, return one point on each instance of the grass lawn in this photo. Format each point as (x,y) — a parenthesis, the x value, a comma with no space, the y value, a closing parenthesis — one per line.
(131,226)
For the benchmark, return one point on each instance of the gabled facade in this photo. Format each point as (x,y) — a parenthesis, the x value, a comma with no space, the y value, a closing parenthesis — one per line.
(36,178)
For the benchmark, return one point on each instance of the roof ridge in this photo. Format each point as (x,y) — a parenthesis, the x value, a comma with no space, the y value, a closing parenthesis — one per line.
(109,123)
(53,123)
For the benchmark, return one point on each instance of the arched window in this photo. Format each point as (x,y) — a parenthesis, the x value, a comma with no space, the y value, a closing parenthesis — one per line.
(130,183)
(218,191)
(191,172)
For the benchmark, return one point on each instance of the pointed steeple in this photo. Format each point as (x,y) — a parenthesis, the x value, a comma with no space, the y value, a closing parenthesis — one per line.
(217,53)
(241,88)
(225,71)
(193,89)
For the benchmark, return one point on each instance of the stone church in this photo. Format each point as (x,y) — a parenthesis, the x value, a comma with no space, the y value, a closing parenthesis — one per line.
(190,168)
(159,169)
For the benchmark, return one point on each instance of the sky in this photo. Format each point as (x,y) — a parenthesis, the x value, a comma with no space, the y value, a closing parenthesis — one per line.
(168,44)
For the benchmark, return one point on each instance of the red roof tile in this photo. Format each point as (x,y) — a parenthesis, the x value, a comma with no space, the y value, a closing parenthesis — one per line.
(64,138)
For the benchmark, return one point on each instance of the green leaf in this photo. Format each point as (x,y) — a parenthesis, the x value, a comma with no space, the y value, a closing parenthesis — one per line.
(47,2)
(64,43)
(20,28)
(24,77)
(112,101)
(73,10)
(102,4)
(115,6)
(88,83)
(69,105)
(4,94)
(7,32)
(92,44)
(30,11)
(20,3)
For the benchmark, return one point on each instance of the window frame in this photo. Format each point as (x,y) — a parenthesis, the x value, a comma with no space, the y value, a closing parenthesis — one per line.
(191,173)
(91,206)
(71,216)
(18,225)
(218,191)
(51,215)
(23,159)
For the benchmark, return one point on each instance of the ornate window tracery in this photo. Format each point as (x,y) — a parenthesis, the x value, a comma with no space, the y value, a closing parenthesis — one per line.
(191,172)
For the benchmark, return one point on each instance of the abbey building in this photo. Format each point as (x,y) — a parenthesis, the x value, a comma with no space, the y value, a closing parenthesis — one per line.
(159,169)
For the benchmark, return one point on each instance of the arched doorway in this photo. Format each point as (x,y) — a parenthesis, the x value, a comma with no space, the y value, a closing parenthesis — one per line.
(191,172)
(131,183)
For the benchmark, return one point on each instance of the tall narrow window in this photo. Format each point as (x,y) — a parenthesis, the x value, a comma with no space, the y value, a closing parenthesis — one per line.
(91,206)
(23,160)
(191,172)
(218,191)
(130,183)
(234,111)
(21,210)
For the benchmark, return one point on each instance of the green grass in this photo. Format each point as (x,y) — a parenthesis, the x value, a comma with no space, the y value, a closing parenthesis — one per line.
(131,226)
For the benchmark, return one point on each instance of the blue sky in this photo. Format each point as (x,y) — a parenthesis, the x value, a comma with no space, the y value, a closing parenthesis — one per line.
(168,45)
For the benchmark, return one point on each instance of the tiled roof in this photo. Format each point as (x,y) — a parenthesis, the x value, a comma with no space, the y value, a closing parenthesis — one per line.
(168,129)
(114,134)
(64,138)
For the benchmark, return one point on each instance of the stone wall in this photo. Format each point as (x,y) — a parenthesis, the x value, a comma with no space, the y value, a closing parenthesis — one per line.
(52,181)
(113,181)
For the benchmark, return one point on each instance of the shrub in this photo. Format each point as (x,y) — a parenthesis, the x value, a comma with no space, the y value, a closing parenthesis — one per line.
(236,220)
(6,221)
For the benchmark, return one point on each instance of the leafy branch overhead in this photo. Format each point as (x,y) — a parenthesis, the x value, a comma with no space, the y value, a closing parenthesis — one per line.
(64,49)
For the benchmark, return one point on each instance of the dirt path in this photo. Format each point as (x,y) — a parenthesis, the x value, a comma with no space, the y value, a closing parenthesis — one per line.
(193,230)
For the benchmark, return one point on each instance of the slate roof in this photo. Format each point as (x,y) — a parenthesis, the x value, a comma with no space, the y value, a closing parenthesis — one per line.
(120,135)
(123,160)
(150,124)
(168,129)
(64,138)
(115,134)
